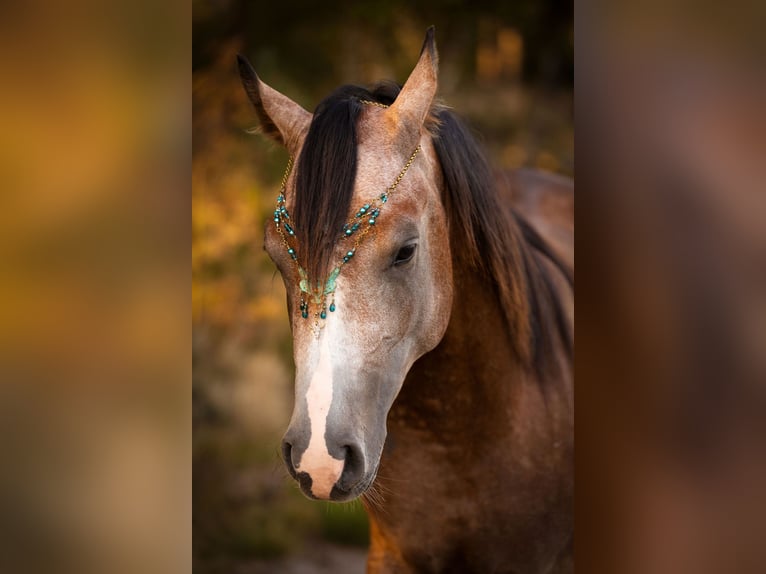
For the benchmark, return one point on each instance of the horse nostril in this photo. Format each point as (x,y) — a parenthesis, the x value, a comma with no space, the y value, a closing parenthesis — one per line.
(353,468)
(287,456)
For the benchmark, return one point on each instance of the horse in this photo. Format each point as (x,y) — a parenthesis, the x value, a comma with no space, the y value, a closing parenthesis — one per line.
(431,311)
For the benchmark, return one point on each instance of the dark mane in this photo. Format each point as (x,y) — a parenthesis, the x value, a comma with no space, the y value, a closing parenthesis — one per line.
(501,245)
(493,240)
(324,184)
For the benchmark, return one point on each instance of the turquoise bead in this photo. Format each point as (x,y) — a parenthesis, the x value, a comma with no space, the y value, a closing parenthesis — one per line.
(323,315)
(332,307)
(372,221)
(348,232)
(305,314)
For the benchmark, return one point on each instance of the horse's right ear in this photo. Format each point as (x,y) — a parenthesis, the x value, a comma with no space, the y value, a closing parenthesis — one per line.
(280,117)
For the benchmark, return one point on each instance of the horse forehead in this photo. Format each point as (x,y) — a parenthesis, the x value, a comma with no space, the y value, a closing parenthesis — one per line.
(379,140)
(380,161)
(379,158)
(372,127)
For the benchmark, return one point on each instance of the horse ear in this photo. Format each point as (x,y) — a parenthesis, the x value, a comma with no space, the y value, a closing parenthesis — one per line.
(280,117)
(411,107)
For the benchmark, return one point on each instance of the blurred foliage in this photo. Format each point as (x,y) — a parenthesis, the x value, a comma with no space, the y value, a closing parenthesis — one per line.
(506,67)
(94,410)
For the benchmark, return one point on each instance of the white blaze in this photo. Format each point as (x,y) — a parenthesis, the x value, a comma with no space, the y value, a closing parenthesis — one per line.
(324,469)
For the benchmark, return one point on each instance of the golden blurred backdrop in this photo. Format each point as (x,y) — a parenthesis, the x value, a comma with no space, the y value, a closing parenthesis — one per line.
(94,412)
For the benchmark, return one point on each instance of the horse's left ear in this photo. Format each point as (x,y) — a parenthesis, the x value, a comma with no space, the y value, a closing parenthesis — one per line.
(280,117)
(411,107)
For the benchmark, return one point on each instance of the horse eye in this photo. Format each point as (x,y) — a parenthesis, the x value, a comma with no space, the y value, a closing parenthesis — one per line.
(405,254)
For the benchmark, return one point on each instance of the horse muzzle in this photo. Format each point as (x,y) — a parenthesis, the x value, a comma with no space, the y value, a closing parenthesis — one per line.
(336,472)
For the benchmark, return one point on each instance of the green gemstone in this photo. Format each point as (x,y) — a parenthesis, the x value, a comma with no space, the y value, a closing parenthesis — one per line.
(323,314)
(332,307)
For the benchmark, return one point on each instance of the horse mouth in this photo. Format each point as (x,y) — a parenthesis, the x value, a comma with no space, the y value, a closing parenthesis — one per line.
(338,493)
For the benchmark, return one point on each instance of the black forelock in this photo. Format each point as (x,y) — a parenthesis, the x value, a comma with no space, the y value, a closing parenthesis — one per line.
(326,171)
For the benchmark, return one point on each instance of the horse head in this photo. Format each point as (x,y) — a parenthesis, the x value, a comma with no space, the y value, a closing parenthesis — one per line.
(361,240)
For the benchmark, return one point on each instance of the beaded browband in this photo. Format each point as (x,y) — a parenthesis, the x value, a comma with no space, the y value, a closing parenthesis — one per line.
(315,297)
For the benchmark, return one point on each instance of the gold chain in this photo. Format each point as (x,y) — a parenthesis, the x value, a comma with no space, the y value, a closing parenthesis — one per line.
(288,169)
(371,103)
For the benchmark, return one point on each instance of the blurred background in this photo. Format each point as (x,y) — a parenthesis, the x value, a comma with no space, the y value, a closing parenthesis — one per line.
(506,67)
(671,293)
(95,408)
